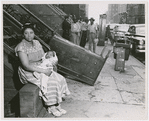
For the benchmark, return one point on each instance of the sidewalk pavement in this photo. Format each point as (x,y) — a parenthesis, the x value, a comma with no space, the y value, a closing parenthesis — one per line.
(114,95)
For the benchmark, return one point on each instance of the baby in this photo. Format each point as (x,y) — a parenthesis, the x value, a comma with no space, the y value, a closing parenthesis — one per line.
(48,61)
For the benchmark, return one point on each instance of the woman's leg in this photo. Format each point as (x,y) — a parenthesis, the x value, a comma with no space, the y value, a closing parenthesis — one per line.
(56,89)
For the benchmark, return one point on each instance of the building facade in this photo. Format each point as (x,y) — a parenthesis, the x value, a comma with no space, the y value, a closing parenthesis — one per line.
(79,10)
(112,13)
(126,13)
(136,13)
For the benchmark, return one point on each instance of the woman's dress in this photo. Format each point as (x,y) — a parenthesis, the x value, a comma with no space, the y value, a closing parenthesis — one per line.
(56,84)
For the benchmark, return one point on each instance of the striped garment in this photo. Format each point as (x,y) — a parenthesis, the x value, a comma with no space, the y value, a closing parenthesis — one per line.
(56,83)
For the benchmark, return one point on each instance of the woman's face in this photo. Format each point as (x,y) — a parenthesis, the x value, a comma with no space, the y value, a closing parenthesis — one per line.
(29,34)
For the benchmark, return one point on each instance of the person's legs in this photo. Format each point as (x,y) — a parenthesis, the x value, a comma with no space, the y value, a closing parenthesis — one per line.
(73,36)
(90,42)
(94,43)
(77,39)
(83,39)
(57,89)
(94,47)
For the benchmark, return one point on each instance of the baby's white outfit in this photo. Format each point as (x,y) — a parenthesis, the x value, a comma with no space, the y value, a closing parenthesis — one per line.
(49,62)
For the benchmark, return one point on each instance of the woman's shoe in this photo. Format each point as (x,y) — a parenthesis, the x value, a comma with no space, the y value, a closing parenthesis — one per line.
(60,109)
(54,111)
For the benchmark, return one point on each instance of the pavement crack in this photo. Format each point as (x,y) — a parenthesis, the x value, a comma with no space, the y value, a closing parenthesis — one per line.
(91,94)
(125,103)
(117,87)
(129,91)
(136,71)
(85,111)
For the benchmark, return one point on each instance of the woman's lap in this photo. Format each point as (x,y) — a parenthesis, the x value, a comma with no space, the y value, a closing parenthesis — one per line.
(56,87)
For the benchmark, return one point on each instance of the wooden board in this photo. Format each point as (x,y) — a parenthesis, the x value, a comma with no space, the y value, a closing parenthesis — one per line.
(76,61)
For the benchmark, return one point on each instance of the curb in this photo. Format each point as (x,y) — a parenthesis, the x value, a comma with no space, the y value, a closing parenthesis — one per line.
(137,61)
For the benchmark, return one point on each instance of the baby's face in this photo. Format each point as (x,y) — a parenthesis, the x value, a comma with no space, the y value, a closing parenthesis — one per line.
(49,54)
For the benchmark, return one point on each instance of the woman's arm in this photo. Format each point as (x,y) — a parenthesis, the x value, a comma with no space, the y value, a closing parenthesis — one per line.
(30,67)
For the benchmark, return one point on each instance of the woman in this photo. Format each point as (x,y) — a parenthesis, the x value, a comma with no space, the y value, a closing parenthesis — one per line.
(30,53)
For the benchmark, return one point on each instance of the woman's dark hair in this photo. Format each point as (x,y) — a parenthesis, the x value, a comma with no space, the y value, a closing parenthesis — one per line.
(28,25)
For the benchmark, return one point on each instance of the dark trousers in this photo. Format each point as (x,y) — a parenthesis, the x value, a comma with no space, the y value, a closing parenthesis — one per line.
(110,38)
(83,38)
(66,34)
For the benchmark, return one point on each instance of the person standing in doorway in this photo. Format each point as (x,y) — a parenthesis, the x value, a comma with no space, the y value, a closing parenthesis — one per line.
(92,34)
(84,29)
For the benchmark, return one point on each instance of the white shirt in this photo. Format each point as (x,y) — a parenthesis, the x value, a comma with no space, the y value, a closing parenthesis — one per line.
(75,27)
(84,26)
(80,26)
(92,28)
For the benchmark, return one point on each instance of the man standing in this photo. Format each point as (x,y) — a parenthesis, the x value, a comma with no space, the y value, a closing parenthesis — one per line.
(66,26)
(92,34)
(75,34)
(84,29)
(108,35)
(79,24)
